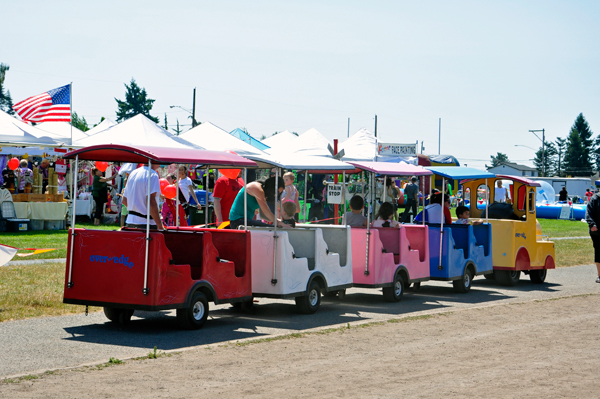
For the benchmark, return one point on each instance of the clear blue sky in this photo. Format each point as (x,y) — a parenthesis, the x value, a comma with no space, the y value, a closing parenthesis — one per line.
(492,70)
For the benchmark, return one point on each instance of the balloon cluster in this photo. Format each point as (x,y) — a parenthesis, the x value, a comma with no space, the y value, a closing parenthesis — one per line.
(168,190)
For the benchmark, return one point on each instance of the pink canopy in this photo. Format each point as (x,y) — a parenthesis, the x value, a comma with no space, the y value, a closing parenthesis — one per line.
(141,154)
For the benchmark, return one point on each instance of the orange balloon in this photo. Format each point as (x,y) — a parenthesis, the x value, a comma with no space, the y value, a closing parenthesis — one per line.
(101,166)
(13,164)
(170,191)
(230,173)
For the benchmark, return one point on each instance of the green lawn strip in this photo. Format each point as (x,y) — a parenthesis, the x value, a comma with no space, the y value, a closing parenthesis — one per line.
(563,228)
(45,239)
(33,291)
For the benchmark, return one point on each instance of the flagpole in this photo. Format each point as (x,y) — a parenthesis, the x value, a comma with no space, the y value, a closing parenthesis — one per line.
(71,108)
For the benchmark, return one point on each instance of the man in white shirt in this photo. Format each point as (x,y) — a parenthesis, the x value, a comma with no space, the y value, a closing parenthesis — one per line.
(500,194)
(135,198)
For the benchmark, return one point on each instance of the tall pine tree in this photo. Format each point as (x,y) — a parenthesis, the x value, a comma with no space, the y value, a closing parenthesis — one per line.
(6,103)
(580,146)
(136,102)
(546,167)
(561,145)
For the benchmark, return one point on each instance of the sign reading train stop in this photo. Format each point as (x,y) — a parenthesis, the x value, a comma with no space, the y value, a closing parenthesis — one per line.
(334,193)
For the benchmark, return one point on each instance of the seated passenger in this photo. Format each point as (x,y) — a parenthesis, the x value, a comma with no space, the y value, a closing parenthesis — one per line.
(385,216)
(289,211)
(355,218)
(433,211)
(463,213)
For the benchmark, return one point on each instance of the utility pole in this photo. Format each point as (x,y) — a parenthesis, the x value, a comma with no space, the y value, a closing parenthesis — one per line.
(348,127)
(194,110)
(543,148)
(375,125)
(440,138)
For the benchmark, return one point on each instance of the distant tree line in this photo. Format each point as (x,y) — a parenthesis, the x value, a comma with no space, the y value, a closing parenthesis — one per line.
(576,155)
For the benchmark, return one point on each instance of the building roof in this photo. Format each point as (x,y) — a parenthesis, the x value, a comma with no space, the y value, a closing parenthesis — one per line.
(515,166)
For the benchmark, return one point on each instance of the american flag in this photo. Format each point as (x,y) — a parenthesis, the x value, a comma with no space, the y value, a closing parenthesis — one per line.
(52,106)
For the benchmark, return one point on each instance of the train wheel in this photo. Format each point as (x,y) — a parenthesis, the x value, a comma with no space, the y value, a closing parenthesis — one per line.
(394,293)
(121,316)
(310,302)
(508,278)
(112,314)
(538,276)
(194,317)
(463,285)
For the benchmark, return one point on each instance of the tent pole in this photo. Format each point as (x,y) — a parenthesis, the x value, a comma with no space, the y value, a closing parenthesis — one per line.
(75,176)
(487,200)
(245,200)
(206,217)
(275,236)
(344,197)
(145,290)
(368,237)
(177,198)
(305,194)
(423,211)
(442,224)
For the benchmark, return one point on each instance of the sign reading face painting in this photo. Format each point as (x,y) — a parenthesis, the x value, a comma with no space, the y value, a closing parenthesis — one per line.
(397,149)
(334,193)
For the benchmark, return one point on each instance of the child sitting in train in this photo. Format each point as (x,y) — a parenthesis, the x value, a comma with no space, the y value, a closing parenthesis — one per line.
(463,213)
(355,218)
(289,210)
(385,216)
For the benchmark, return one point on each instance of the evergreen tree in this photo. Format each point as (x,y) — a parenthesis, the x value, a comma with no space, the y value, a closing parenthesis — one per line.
(136,102)
(166,126)
(561,145)
(101,119)
(177,130)
(6,103)
(498,159)
(547,166)
(579,147)
(79,123)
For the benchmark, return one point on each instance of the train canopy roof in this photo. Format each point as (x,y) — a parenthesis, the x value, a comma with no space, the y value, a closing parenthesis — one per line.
(392,169)
(460,173)
(160,155)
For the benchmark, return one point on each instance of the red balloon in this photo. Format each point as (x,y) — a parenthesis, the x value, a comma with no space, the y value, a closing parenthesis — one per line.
(230,173)
(101,166)
(163,183)
(13,164)
(170,191)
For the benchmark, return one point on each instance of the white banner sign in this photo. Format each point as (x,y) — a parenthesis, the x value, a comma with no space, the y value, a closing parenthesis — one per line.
(397,149)
(334,193)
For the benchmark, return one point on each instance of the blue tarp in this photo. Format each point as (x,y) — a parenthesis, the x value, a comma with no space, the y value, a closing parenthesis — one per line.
(240,134)
(459,172)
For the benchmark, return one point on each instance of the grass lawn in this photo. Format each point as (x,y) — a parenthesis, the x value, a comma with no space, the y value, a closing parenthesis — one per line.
(33,291)
(564,228)
(45,239)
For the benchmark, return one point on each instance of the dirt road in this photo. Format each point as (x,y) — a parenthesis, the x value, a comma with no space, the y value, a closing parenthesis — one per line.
(536,349)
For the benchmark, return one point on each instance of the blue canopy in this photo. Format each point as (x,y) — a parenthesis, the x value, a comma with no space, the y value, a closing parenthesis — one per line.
(459,172)
(240,134)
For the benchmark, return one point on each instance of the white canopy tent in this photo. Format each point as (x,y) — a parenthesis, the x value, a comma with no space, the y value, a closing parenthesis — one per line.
(312,143)
(105,124)
(14,132)
(138,130)
(362,146)
(280,142)
(62,131)
(214,138)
